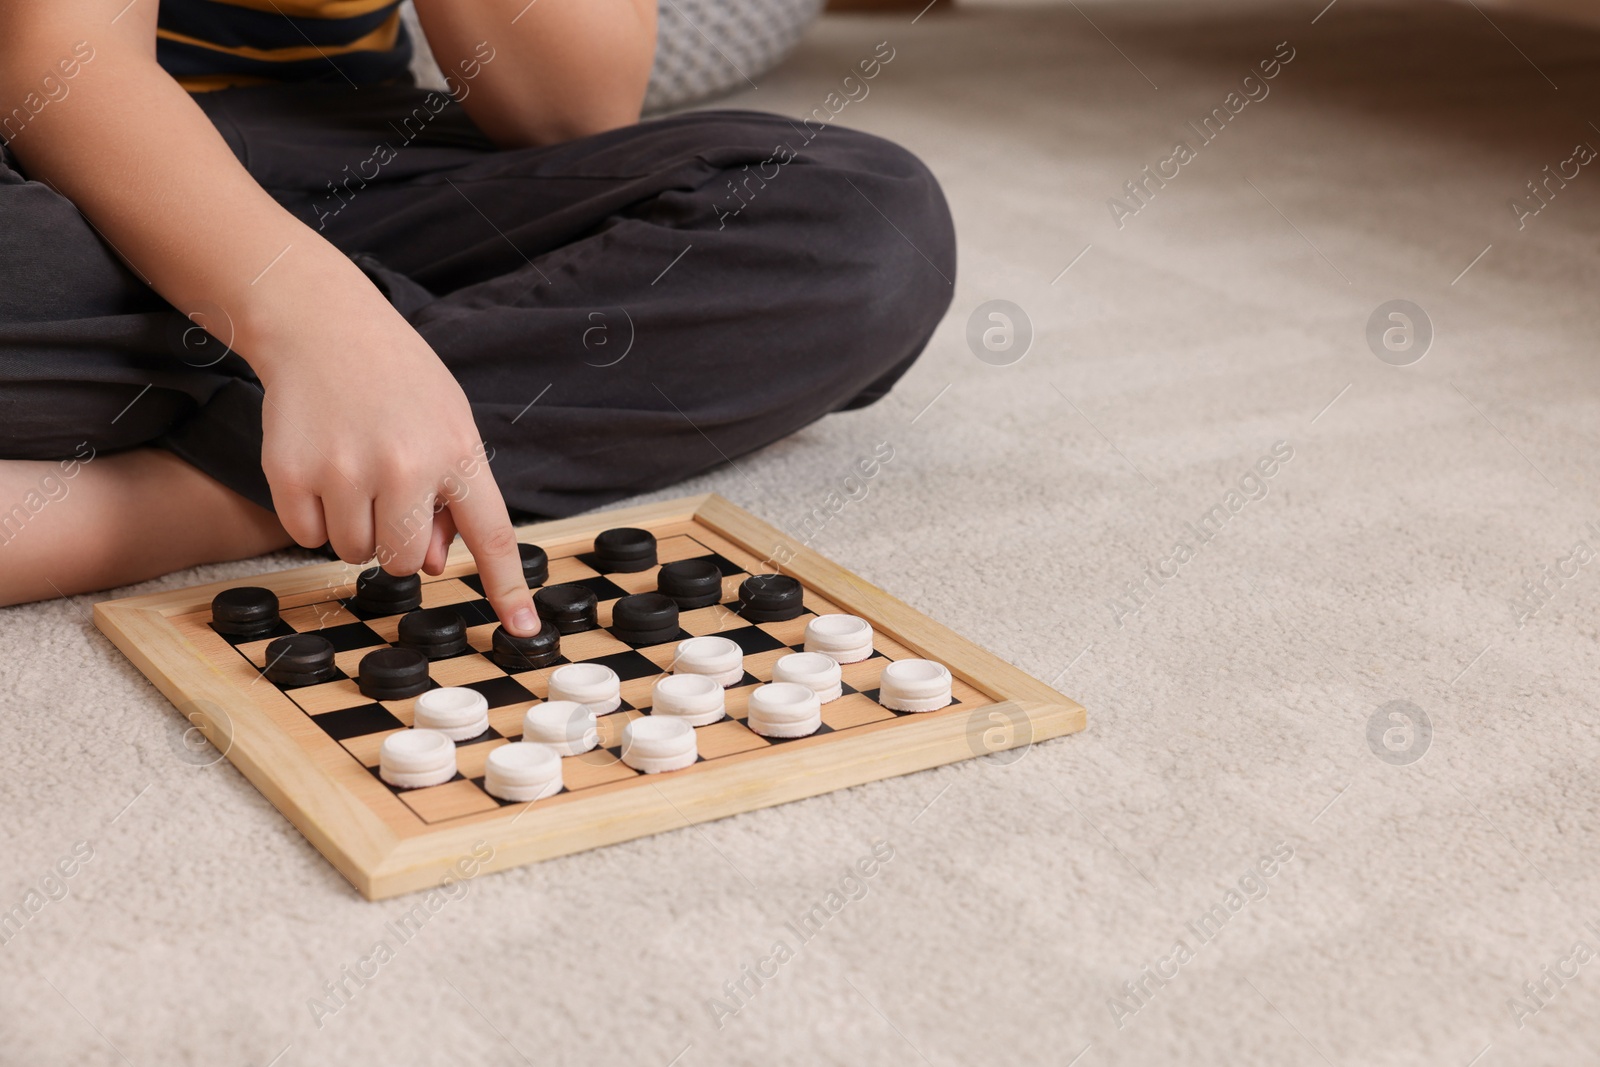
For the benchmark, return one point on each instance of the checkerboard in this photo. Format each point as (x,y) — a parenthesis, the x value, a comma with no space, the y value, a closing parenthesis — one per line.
(314,749)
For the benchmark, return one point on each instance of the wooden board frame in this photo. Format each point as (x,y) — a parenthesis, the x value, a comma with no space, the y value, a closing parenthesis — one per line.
(381,861)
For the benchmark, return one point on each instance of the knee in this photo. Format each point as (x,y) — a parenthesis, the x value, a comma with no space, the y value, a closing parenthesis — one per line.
(889,186)
(888,240)
(847,236)
(848,200)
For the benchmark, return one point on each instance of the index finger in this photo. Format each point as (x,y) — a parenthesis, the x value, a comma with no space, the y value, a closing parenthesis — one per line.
(481,517)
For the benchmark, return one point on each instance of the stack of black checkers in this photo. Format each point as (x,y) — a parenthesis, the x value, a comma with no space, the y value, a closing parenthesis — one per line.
(434,632)
(299,659)
(393,674)
(535,564)
(645,619)
(380,593)
(691,583)
(513,653)
(770,598)
(248,611)
(625,549)
(569,608)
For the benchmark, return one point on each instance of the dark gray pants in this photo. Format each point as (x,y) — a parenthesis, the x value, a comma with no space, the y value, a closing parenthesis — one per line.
(622,311)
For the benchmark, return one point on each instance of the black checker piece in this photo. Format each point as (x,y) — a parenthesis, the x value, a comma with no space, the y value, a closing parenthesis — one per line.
(279,629)
(247,611)
(625,549)
(380,593)
(557,662)
(722,563)
(690,583)
(334,674)
(298,660)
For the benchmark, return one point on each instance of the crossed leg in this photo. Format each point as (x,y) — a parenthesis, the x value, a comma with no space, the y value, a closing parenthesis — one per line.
(120,518)
(814,281)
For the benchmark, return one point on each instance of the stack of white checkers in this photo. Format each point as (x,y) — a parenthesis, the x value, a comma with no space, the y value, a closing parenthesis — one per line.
(664,740)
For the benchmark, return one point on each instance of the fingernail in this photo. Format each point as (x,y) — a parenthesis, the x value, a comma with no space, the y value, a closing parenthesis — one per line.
(525,621)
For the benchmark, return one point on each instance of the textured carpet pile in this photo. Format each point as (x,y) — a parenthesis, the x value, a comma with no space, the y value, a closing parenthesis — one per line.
(1334,620)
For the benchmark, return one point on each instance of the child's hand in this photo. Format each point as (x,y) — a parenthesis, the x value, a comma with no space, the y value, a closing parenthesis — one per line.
(364,427)
(365,434)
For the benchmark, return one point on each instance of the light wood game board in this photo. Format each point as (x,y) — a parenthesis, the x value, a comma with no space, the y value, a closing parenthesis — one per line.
(313,751)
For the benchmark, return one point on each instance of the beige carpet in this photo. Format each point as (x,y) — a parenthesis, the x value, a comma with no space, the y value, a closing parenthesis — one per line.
(1229,714)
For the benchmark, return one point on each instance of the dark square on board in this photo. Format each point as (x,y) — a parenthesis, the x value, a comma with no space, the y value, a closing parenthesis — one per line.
(479,782)
(752,639)
(628,665)
(475,612)
(823,729)
(872,694)
(681,635)
(349,604)
(602,587)
(501,692)
(488,734)
(358,721)
(351,635)
(397,790)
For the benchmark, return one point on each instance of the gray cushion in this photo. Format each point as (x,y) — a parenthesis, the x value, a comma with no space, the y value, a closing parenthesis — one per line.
(704,48)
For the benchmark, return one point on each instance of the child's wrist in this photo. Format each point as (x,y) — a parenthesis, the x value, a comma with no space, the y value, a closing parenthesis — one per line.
(304,300)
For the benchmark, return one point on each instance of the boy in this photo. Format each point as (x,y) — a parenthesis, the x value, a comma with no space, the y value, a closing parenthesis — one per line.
(256,289)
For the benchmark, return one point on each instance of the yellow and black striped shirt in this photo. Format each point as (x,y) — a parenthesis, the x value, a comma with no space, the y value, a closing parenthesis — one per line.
(214,44)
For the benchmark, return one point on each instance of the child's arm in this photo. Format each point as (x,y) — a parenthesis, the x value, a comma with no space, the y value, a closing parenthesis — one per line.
(533,73)
(129,147)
